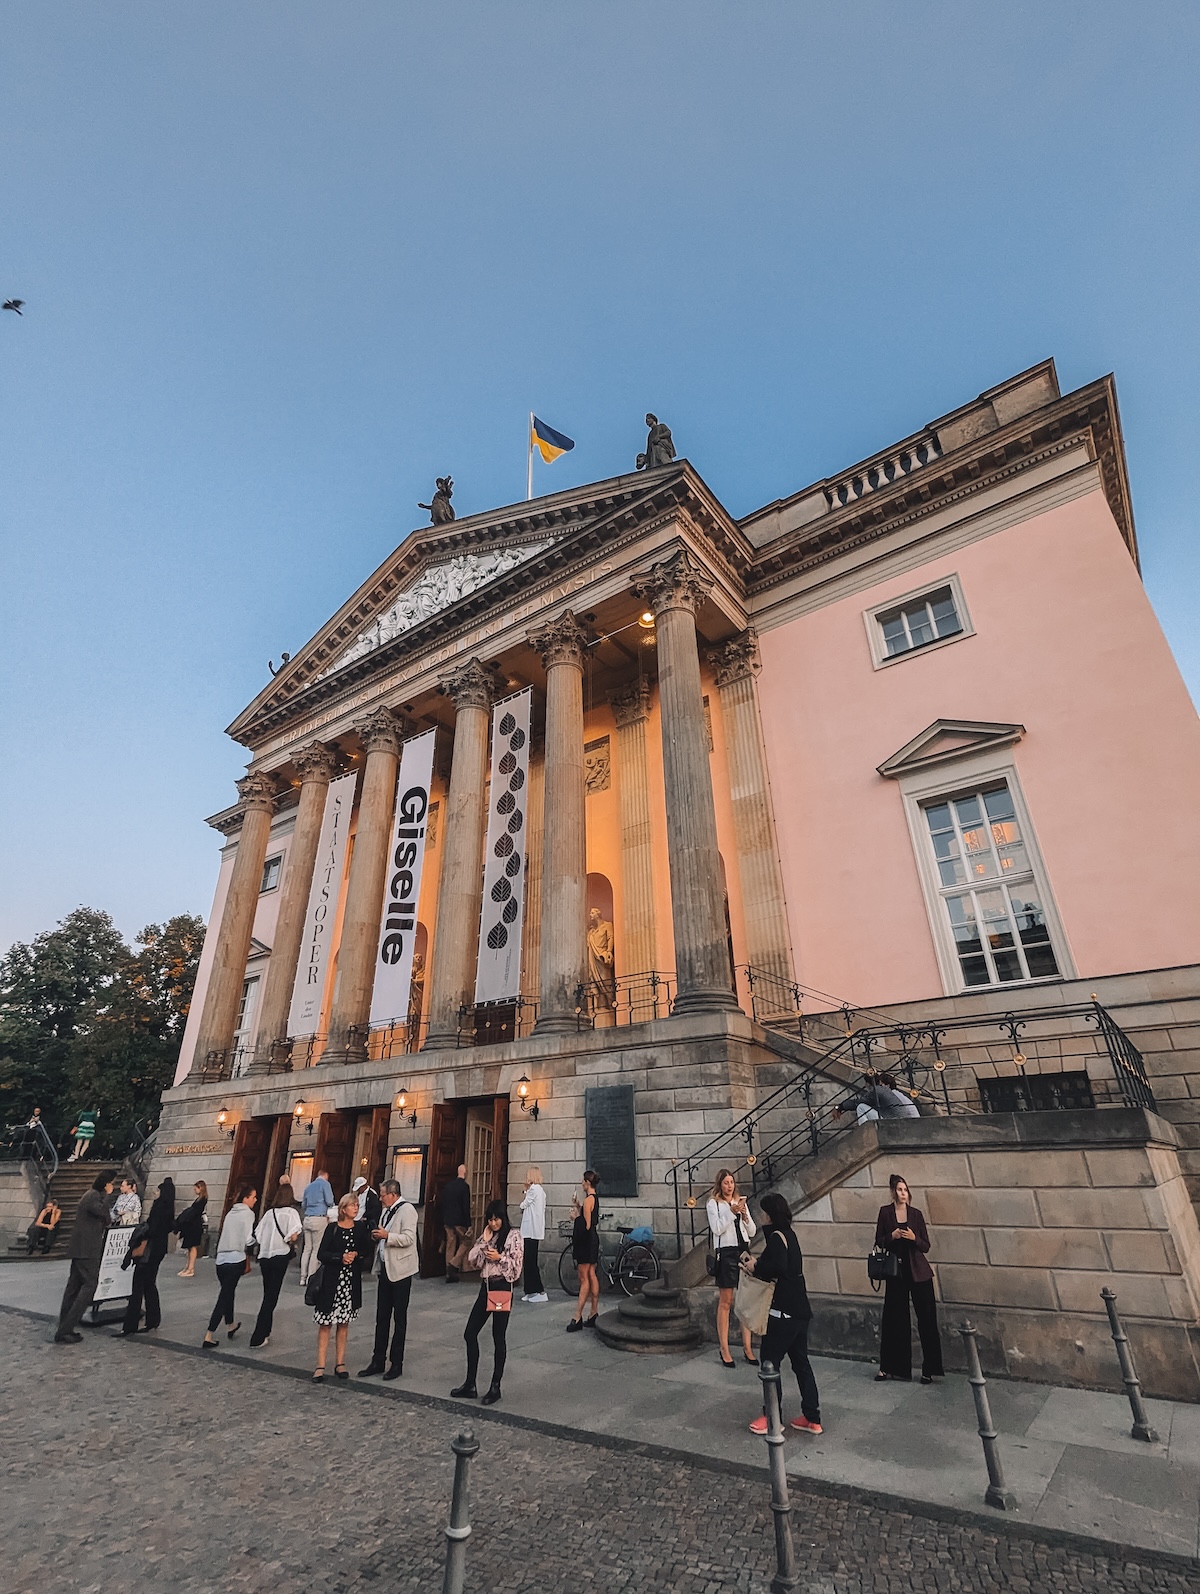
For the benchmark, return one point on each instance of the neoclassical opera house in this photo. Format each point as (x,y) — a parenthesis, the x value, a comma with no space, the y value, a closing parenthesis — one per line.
(608,828)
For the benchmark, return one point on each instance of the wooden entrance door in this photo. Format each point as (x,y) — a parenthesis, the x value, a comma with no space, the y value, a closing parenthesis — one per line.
(501,1107)
(447,1147)
(381,1128)
(251,1147)
(281,1133)
(335,1149)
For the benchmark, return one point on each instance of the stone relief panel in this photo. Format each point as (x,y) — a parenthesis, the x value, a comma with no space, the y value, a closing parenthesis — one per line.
(434,590)
(597,766)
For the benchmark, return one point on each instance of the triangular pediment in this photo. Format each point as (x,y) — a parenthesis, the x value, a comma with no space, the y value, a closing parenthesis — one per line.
(947,740)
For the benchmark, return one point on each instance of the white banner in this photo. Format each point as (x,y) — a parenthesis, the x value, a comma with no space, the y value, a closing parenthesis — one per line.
(398,929)
(499,972)
(322,906)
(115,1283)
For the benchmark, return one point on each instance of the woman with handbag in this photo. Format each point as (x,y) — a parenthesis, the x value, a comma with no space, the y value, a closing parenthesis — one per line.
(278,1230)
(731,1228)
(189,1226)
(901,1231)
(143,1291)
(789,1313)
(233,1261)
(499,1255)
(337,1296)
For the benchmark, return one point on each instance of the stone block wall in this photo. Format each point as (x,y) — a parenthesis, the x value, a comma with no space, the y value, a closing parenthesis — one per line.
(19,1202)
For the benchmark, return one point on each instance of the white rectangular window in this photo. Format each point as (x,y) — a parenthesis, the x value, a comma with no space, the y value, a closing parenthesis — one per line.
(988,889)
(245,1020)
(928,618)
(271,869)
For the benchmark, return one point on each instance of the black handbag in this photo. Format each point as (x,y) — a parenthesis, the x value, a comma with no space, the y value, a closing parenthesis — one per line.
(882,1265)
(316,1282)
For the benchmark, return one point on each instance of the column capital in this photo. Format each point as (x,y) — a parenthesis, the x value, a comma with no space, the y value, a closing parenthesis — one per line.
(257,790)
(471,687)
(380,732)
(315,762)
(631,703)
(560,642)
(735,660)
(676,583)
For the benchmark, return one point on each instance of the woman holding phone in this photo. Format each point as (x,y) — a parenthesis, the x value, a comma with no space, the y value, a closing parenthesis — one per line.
(499,1255)
(731,1228)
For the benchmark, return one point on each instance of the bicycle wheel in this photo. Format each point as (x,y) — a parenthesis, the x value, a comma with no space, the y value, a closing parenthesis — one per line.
(568,1273)
(636,1265)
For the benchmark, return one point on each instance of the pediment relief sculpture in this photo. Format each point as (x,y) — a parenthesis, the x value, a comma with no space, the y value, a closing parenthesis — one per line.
(435,589)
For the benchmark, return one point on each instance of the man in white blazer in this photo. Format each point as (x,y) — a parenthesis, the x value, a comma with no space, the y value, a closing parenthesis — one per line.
(395,1264)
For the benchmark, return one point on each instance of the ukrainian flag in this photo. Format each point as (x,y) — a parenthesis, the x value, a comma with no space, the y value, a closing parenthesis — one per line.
(549,443)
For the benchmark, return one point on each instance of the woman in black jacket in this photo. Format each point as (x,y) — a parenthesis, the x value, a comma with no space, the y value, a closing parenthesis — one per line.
(345,1247)
(787,1326)
(144,1286)
(189,1226)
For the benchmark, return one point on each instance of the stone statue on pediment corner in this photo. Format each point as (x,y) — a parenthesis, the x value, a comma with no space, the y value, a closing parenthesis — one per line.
(441,511)
(660,446)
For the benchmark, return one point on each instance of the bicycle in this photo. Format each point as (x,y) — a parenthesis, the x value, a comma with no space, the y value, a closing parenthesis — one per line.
(633,1264)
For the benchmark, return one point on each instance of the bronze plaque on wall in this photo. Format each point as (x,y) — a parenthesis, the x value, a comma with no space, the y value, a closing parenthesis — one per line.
(611,1138)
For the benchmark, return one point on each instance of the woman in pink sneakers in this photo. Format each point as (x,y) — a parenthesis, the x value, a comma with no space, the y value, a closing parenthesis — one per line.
(787,1326)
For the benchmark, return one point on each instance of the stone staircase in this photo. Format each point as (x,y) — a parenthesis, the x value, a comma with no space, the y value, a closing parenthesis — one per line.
(658,1319)
(68,1187)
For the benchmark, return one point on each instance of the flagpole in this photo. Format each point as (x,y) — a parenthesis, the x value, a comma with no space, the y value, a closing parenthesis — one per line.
(529,446)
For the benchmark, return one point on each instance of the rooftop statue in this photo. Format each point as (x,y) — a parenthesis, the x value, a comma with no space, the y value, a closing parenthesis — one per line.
(660,450)
(440,511)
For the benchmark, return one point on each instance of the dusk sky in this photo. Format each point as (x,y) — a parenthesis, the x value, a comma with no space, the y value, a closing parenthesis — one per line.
(286,261)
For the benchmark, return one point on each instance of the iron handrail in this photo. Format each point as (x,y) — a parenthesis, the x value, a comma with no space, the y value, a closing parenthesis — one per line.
(32,1143)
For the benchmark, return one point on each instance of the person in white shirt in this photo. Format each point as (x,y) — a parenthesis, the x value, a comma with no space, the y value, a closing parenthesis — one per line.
(731,1229)
(395,1236)
(127,1208)
(278,1230)
(533,1232)
(236,1233)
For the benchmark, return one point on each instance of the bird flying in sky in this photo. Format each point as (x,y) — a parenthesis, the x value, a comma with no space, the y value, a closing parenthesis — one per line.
(12,304)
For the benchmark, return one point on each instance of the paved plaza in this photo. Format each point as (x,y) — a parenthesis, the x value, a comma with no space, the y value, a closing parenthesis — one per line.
(150,1466)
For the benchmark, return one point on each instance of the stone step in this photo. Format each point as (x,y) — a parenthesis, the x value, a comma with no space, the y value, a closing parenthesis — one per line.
(621,1332)
(636,1311)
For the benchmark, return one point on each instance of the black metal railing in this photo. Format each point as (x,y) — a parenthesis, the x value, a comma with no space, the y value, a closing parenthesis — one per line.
(494,1023)
(31,1144)
(140,1152)
(1129,1065)
(630,999)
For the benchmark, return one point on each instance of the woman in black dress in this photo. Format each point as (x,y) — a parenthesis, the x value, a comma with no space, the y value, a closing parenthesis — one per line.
(144,1287)
(585,1249)
(189,1226)
(345,1247)
(901,1230)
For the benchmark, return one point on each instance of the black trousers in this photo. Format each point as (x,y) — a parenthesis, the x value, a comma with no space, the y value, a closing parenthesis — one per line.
(895,1330)
(229,1275)
(788,1336)
(274,1271)
(391,1317)
(38,1239)
(77,1297)
(533,1273)
(479,1316)
(143,1292)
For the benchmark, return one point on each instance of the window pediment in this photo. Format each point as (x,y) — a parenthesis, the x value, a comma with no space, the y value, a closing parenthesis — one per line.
(947,740)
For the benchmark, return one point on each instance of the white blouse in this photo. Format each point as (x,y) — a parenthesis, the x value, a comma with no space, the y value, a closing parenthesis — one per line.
(723,1222)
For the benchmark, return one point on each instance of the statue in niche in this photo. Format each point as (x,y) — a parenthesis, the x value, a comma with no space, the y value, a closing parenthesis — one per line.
(441,513)
(416,998)
(602,956)
(660,448)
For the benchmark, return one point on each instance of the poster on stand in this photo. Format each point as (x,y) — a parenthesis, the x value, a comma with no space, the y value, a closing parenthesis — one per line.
(309,989)
(115,1281)
(402,893)
(498,976)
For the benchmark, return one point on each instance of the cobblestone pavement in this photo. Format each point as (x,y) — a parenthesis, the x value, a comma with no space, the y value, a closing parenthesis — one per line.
(135,1467)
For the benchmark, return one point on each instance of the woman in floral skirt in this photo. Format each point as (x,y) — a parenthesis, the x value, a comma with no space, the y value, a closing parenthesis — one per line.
(345,1247)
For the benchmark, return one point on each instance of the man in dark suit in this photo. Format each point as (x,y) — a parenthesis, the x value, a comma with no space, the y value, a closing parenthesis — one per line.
(86,1250)
(454,1204)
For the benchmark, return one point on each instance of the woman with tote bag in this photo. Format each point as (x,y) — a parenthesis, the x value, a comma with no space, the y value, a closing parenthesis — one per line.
(789,1313)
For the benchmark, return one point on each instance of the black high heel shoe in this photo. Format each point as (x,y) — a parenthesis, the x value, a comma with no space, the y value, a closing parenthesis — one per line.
(465,1391)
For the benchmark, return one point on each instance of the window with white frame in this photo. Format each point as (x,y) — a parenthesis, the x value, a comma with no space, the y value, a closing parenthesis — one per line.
(245,1018)
(928,618)
(271,869)
(988,887)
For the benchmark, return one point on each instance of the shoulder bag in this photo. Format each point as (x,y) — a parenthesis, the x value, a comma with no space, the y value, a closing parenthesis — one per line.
(882,1265)
(499,1295)
(316,1283)
(291,1244)
(752,1302)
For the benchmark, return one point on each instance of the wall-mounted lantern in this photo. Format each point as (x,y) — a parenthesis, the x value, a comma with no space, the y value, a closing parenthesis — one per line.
(223,1122)
(402,1106)
(523,1101)
(299,1118)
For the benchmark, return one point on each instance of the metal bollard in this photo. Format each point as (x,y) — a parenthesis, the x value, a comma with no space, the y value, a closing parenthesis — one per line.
(998,1493)
(785,1579)
(1141,1422)
(458,1529)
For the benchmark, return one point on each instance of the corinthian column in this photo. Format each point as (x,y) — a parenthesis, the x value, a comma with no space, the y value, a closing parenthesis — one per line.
(631,708)
(316,764)
(562,963)
(223,994)
(705,979)
(460,893)
(768,944)
(380,736)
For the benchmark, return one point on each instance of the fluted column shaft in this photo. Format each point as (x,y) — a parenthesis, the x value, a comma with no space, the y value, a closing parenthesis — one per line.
(316,765)
(638,946)
(224,991)
(562,963)
(764,908)
(532,933)
(380,736)
(703,973)
(460,893)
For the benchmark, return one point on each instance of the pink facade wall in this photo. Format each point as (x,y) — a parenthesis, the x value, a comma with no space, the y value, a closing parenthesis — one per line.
(1066,644)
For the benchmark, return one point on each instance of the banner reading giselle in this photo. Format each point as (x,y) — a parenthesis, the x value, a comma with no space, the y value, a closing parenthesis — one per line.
(406,862)
(322,906)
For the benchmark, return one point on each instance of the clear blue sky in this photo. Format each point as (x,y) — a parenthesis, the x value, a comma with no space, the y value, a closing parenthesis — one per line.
(285,261)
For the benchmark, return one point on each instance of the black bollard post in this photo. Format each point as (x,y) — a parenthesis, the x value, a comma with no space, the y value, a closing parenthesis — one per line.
(1141,1422)
(998,1493)
(785,1579)
(458,1529)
